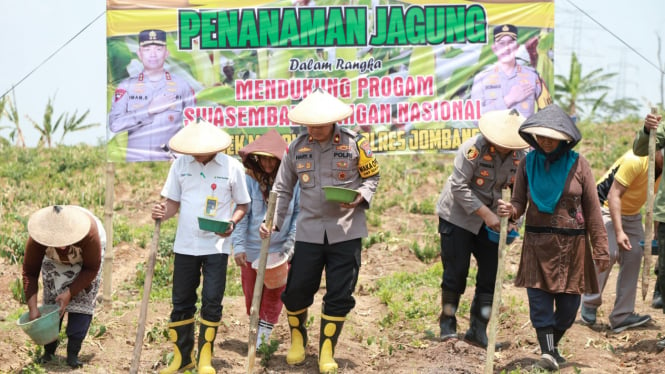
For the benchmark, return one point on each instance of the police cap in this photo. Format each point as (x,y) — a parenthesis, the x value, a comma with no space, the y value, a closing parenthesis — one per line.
(503,30)
(156,37)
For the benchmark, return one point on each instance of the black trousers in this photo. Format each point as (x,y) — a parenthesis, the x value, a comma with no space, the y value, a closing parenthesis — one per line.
(342,264)
(457,246)
(187,274)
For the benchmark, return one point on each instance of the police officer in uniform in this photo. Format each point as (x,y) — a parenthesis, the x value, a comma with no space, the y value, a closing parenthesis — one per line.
(328,234)
(483,166)
(507,84)
(149,106)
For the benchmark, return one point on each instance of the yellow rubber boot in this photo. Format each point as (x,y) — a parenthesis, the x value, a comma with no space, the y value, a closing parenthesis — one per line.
(297,320)
(181,334)
(207,334)
(331,327)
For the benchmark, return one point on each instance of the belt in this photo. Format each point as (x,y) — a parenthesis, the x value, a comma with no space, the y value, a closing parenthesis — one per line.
(554,230)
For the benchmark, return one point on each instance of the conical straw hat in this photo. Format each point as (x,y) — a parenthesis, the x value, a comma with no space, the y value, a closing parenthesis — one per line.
(547,132)
(319,108)
(200,138)
(58,225)
(501,127)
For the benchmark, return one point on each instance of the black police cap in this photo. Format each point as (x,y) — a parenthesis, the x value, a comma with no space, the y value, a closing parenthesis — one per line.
(147,37)
(503,30)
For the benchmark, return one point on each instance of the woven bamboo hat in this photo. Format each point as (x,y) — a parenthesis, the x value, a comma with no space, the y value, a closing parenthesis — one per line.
(200,138)
(501,127)
(58,225)
(320,108)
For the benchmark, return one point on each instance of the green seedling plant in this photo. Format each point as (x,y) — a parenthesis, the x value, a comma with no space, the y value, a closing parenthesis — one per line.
(16,287)
(267,350)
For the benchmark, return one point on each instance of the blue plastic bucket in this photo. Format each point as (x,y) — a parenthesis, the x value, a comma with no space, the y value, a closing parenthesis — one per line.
(494,236)
(654,246)
(44,329)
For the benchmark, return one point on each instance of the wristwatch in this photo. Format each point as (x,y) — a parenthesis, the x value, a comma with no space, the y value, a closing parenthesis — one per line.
(233,224)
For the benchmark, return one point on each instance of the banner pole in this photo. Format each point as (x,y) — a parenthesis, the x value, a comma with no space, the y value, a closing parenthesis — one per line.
(107,274)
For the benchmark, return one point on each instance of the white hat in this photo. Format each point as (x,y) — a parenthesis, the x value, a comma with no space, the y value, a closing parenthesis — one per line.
(501,127)
(58,225)
(547,132)
(319,108)
(200,138)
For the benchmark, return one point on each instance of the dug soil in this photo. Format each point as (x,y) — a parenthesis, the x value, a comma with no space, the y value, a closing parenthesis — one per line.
(588,350)
(364,346)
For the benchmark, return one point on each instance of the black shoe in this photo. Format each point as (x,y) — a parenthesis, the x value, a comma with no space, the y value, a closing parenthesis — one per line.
(547,362)
(557,356)
(657,302)
(73,349)
(73,362)
(448,328)
(633,320)
(477,333)
(661,344)
(45,358)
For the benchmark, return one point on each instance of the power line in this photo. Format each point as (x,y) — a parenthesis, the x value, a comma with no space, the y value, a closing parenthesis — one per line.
(617,37)
(52,54)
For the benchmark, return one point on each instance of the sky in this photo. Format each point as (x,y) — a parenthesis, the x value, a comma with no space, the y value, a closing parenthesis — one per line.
(75,77)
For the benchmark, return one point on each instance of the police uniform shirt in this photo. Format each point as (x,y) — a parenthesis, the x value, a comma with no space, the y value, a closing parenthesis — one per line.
(492,85)
(478,177)
(148,132)
(338,162)
(190,183)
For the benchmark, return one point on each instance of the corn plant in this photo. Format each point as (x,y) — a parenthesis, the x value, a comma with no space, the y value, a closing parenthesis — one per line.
(266,351)
(16,286)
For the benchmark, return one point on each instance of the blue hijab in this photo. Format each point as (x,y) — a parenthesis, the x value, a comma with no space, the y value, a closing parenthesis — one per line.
(547,178)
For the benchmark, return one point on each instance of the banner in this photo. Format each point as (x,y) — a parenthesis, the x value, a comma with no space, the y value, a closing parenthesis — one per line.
(417,74)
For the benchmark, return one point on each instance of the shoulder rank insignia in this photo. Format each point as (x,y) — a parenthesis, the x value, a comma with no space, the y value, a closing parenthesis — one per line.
(367,164)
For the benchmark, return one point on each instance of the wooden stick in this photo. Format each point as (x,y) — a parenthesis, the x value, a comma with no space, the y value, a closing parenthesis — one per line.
(258,286)
(498,283)
(147,285)
(648,223)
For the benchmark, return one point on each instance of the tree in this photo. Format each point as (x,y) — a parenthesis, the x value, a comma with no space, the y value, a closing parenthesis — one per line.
(73,124)
(12,114)
(620,110)
(47,129)
(576,88)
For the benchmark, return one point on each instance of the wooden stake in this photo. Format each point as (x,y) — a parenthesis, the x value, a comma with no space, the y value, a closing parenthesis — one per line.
(258,286)
(648,234)
(496,304)
(147,285)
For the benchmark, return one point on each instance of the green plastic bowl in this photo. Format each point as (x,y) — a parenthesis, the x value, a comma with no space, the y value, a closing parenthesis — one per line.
(339,194)
(207,224)
(44,329)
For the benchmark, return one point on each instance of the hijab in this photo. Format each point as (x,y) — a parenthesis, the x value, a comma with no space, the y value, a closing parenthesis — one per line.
(547,172)
(270,144)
